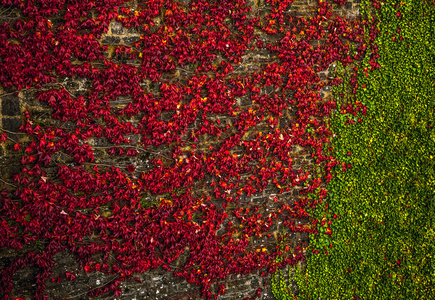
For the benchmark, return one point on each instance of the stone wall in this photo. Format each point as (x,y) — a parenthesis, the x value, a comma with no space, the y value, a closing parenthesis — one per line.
(155,284)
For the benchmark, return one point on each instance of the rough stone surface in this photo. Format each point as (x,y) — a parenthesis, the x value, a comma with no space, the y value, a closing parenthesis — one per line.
(11,124)
(111,40)
(10,106)
(117,28)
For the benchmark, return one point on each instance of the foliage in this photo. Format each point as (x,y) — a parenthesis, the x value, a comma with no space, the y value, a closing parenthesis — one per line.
(189,151)
(383,239)
(279,288)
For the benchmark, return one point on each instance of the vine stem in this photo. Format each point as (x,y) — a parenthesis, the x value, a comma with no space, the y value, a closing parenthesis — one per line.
(92,289)
(8,183)
(127,146)
(11,132)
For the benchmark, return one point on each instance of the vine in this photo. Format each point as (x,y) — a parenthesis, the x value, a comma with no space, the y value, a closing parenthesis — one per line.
(382,240)
(197,134)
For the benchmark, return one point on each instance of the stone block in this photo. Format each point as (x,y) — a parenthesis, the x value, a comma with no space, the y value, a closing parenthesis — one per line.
(117,28)
(10,106)
(111,40)
(130,39)
(24,281)
(11,124)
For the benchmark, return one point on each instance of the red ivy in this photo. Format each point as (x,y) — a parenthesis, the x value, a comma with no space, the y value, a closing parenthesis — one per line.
(179,135)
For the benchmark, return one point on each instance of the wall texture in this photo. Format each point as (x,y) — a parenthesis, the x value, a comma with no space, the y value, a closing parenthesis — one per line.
(158,283)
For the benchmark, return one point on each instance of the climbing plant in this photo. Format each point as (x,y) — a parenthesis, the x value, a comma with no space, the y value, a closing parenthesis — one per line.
(199,133)
(383,239)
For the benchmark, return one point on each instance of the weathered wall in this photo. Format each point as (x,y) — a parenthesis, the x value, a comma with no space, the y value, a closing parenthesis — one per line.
(156,284)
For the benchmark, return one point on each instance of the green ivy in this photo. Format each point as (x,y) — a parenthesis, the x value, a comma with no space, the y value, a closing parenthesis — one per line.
(279,287)
(280,290)
(383,240)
